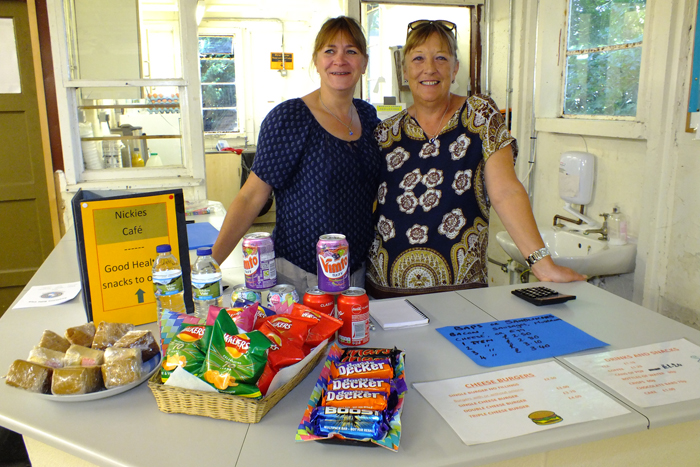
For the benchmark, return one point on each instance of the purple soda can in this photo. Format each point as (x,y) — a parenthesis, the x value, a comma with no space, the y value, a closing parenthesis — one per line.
(259,261)
(333,263)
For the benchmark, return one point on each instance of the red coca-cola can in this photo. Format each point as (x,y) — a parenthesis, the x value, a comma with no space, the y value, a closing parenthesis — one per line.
(353,309)
(319,300)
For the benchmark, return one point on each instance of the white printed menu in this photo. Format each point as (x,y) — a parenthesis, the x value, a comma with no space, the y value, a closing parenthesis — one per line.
(515,402)
(649,375)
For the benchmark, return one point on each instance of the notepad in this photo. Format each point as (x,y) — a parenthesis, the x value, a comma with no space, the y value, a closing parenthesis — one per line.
(396,314)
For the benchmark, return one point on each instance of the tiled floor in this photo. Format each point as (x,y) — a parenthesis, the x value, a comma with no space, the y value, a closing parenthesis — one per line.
(12,450)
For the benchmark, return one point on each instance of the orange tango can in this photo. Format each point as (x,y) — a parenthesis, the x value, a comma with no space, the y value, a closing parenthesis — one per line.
(353,309)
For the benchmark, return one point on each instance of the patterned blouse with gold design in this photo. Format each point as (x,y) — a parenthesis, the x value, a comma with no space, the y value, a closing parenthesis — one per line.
(431,230)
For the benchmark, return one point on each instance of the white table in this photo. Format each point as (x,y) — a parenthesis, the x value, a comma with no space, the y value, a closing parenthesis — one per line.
(128,429)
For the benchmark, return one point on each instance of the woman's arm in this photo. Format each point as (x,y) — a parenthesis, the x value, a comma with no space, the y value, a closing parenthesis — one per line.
(243,210)
(510,200)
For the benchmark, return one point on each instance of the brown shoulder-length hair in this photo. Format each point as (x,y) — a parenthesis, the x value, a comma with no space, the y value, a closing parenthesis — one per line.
(421,33)
(345,25)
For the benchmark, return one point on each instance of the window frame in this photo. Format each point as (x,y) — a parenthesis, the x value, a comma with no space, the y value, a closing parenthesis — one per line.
(239,54)
(550,71)
(190,174)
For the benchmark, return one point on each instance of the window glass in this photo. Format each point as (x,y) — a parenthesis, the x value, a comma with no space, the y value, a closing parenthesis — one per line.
(126,133)
(123,39)
(218,78)
(603,83)
(134,125)
(604,53)
(372,77)
(597,23)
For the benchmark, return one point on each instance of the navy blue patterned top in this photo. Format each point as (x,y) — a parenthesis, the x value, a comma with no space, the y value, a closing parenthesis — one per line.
(322,184)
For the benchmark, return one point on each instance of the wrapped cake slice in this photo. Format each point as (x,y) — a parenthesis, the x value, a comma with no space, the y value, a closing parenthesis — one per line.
(47,357)
(30,376)
(122,366)
(109,333)
(113,354)
(51,340)
(77,355)
(81,335)
(141,340)
(76,380)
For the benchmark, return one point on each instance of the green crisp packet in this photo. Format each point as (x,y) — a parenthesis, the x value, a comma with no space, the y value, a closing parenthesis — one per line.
(187,349)
(234,361)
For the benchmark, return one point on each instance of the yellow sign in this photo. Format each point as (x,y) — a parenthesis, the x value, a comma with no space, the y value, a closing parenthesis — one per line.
(120,239)
(276,61)
(389,108)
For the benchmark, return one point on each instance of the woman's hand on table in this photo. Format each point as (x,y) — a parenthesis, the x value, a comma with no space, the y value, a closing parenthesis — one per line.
(546,271)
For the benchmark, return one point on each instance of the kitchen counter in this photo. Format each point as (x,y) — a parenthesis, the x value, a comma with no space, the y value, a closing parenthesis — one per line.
(128,429)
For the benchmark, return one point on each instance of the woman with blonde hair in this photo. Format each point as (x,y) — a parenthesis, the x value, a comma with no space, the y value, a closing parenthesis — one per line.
(446,160)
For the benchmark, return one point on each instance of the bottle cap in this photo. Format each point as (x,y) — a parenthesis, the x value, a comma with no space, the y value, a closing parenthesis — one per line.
(163,248)
(204,251)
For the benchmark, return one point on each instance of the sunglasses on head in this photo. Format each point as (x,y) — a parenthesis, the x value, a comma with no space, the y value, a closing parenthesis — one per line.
(449,25)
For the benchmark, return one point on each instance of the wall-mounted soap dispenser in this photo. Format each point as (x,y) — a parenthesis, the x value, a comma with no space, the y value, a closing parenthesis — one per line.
(576,177)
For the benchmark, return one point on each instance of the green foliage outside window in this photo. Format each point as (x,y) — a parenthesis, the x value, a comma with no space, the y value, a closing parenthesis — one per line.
(218,78)
(603,57)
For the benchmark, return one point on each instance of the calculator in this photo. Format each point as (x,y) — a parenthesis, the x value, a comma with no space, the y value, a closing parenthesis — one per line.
(541,296)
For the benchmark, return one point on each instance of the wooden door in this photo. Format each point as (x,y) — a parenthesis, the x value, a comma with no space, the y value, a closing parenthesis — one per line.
(28,211)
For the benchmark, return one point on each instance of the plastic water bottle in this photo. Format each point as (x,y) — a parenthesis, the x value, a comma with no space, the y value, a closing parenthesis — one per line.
(206,283)
(167,282)
(111,155)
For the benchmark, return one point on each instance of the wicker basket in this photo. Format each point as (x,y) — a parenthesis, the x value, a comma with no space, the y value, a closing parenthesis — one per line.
(172,399)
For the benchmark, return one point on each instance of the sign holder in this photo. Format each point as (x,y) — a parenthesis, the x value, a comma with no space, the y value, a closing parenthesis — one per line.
(117,234)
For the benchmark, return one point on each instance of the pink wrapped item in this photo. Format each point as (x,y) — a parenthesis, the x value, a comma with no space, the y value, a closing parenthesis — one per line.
(244,316)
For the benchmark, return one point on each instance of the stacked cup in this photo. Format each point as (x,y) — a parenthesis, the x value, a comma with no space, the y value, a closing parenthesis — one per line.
(91,156)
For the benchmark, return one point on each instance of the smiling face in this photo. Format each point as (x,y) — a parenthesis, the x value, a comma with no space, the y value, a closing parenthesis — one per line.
(430,69)
(340,63)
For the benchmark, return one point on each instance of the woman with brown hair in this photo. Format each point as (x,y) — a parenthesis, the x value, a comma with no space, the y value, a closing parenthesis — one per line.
(446,159)
(319,155)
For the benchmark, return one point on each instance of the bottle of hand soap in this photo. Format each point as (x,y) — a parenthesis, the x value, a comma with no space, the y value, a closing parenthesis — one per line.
(136,159)
(617,227)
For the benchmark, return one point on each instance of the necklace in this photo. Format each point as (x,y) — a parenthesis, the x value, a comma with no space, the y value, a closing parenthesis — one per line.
(432,139)
(349,127)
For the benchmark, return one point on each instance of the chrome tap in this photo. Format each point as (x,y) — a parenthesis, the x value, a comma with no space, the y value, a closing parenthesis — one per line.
(603,230)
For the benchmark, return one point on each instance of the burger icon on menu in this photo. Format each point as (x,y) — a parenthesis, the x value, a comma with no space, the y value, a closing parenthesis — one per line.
(544,417)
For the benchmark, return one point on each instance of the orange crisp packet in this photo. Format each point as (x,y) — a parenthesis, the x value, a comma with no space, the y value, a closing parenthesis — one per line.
(293,328)
(324,328)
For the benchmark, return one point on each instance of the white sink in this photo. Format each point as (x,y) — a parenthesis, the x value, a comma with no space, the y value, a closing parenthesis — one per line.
(585,254)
